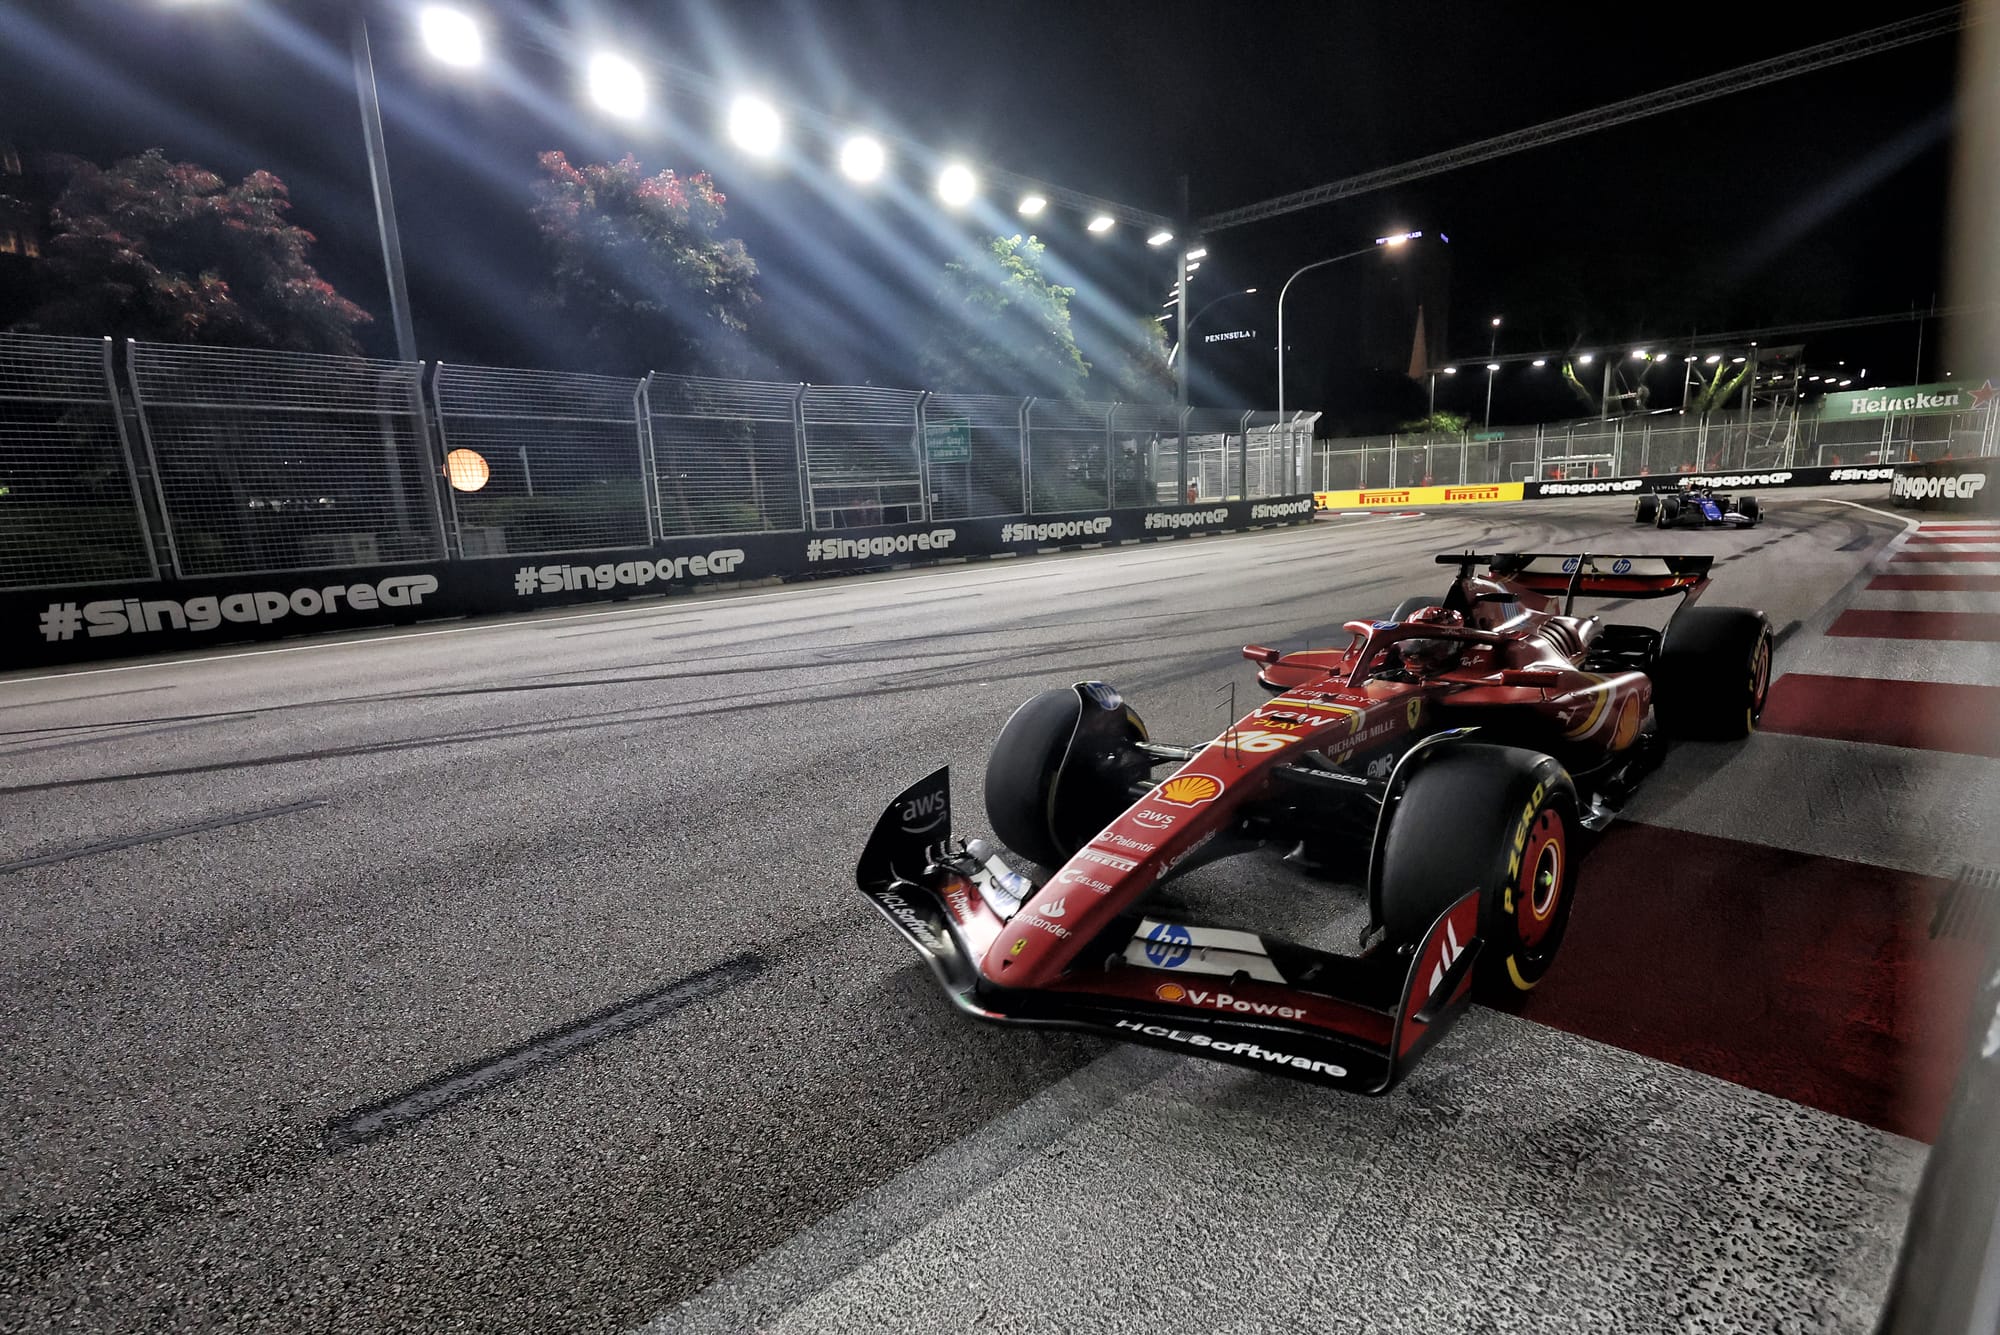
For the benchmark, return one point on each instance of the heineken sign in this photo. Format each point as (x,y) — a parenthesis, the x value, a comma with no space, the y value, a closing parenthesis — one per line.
(1904,401)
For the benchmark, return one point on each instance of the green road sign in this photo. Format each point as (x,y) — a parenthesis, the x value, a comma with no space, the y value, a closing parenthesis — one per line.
(1489,435)
(1901,401)
(948,442)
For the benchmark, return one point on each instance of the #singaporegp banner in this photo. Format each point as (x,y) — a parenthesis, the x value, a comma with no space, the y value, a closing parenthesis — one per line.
(48,626)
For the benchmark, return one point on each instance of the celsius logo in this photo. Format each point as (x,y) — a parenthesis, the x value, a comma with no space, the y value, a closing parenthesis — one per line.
(636,574)
(894,544)
(1590,488)
(131,616)
(1073,528)
(926,811)
(1961,488)
(1861,475)
(1281,509)
(1187,519)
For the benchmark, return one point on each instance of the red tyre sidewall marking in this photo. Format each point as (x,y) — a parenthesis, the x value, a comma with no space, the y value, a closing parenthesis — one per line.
(1532,913)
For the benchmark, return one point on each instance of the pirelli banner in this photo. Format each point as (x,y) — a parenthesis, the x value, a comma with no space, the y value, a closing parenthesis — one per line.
(1397,497)
(1960,486)
(42,627)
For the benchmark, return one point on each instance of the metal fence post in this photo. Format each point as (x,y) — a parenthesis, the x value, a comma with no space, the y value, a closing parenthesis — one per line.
(923,442)
(131,466)
(152,452)
(649,472)
(1111,456)
(799,452)
(454,536)
(1027,468)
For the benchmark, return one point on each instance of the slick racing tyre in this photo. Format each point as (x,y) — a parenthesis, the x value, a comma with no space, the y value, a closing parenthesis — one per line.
(1670,512)
(1646,510)
(1062,768)
(1712,673)
(1750,509)
(1503,820)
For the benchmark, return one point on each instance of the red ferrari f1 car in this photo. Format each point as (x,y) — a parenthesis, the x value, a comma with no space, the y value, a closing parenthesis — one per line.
(1451,756)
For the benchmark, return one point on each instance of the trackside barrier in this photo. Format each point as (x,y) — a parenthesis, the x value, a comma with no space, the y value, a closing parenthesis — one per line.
(1959,486)
(46,626)
(1757,479)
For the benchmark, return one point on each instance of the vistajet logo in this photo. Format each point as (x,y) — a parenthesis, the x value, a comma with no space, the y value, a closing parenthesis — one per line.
(1281,509)
(627,574)
(1056,530)
(1187,519)
(134,616)
(897,544)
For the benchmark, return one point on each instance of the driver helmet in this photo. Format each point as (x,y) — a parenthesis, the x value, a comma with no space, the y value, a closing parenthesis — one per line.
(1429,656)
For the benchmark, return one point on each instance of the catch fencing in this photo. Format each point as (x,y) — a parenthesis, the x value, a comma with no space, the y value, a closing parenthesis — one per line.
(176,462)
(1629,447)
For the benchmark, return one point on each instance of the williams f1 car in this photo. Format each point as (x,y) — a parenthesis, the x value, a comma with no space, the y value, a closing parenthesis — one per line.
(1449,758)
(1684,505)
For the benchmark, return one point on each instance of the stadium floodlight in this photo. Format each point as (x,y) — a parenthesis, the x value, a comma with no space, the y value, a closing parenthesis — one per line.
(1198,254)
(1639,354)
(451,36)
(1813,378)
(1712,358)
(1192,267)
(1451,370)
(1249,291)
(1585,358)
(1845,383)
(1496,322)
(1541,361)
(616,85)
(1688,358)
(1031,206)
(862,158)
(1159,238)
(956,185)
(1100,224)
(1492,366)
(755,126)
(1736,361)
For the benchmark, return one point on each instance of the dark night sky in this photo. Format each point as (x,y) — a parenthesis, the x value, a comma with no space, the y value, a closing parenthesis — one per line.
(1818,197)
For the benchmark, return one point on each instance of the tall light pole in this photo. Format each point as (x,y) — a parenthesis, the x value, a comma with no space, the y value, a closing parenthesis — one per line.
(1492,349)
(1392,241)
(385,204)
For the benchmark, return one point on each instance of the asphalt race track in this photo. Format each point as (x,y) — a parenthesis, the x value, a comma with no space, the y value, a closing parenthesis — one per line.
(509,976)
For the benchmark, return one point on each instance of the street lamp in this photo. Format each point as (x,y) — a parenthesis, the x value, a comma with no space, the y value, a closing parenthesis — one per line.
(1100,224)
(754,126)
(1491,369)
(616,85)
(862,158)
(956,185)
(1390,241)
(451,36)
(1159,238)
(1031,206)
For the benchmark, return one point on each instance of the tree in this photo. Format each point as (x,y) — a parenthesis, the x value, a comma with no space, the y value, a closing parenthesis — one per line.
(638,264)
(168,251)
(1710,394)
(1439,423)
(1139,371)
(1002,327)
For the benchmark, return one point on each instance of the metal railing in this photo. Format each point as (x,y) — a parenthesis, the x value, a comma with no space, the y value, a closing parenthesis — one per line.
(242,461)
(566,460)
(1643,445)
(70,508)
(286,461)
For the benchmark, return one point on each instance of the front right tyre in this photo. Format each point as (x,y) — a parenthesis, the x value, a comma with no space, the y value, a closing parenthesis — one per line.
(1500,819)
(1712,674)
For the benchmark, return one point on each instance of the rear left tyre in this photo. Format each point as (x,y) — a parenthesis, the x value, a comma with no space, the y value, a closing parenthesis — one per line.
(1712,674)
(1499,819)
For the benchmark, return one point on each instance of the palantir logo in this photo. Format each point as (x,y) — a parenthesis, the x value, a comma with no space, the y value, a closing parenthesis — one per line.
(135,616)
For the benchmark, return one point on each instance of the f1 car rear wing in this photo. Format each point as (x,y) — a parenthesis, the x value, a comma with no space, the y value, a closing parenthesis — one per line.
(1573,575)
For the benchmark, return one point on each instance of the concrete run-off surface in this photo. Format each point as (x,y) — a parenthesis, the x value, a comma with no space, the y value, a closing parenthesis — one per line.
(510,976)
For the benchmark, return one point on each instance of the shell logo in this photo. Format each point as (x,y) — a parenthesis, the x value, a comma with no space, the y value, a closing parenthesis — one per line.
(1170,992)
(1189,790)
